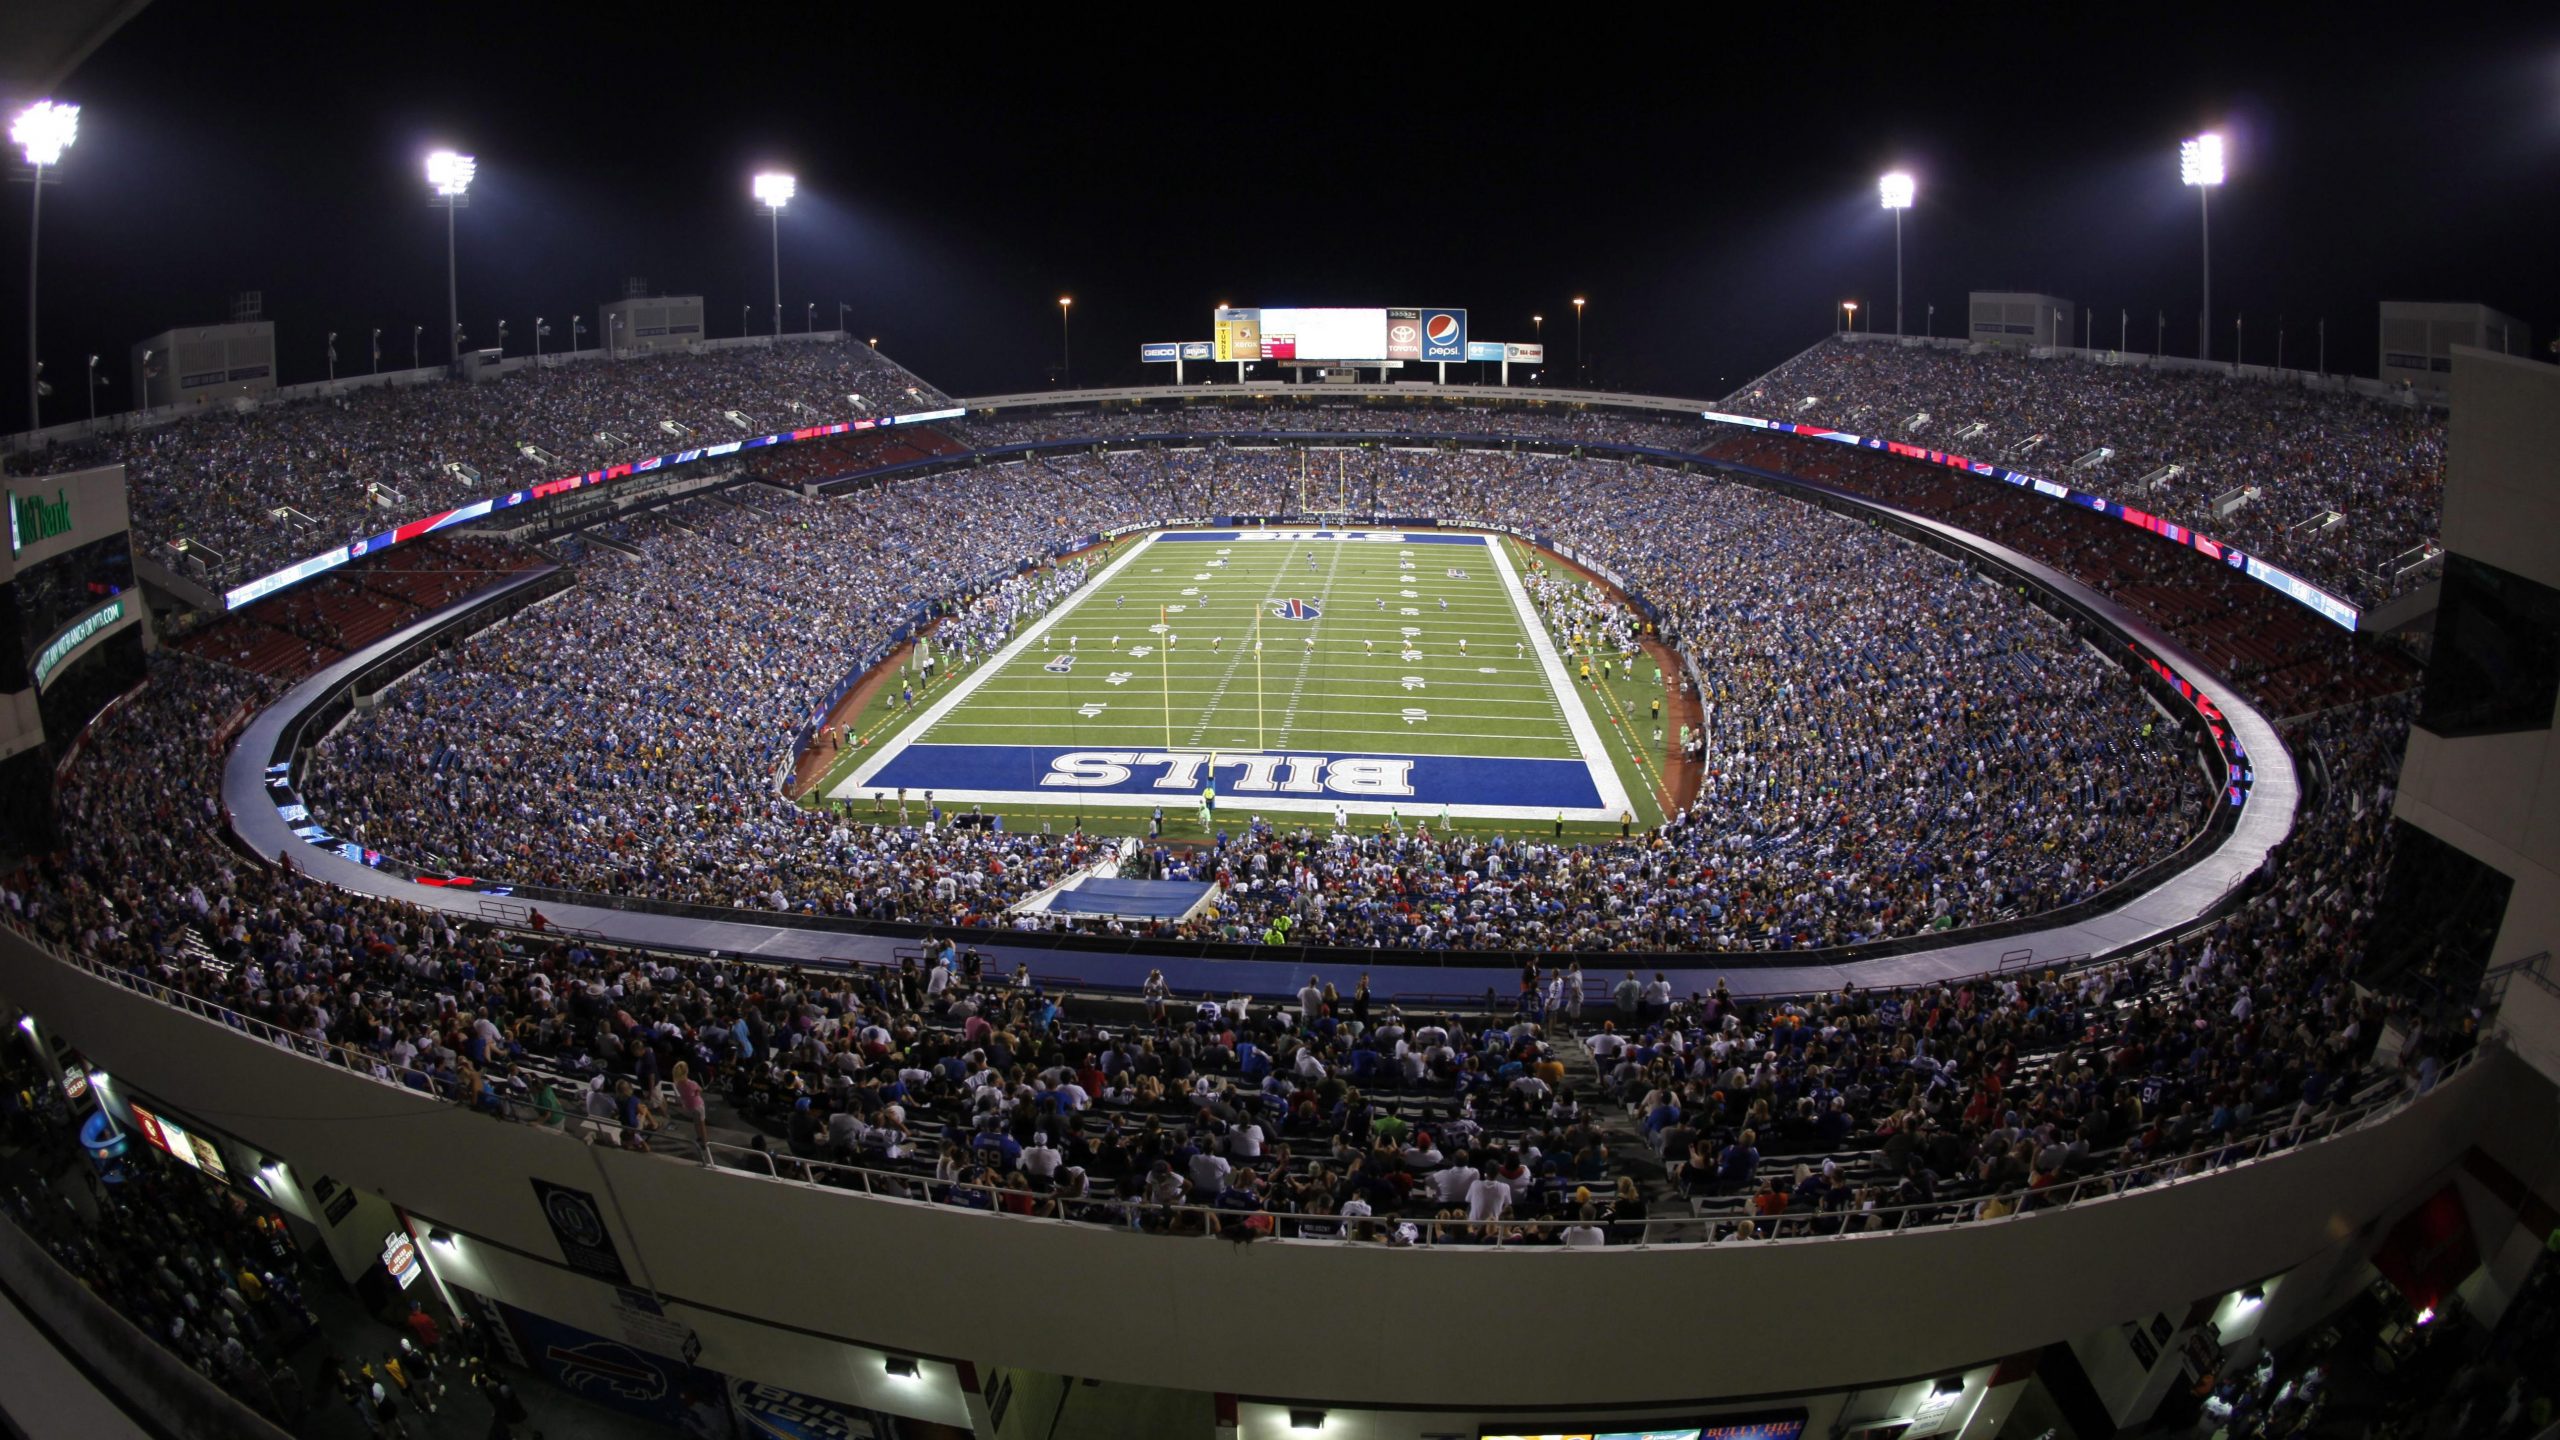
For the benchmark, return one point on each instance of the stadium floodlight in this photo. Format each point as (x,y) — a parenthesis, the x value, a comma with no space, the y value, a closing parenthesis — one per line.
(449,177)
(1850,309)
(1578,377)
(450,174)
(1896,190)
(41,132)
(2200,160)
(44,130)
(773,190)
(1066,345)
(2200,163)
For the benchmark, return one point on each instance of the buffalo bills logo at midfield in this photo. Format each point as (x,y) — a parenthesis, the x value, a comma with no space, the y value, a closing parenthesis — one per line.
(1296,609)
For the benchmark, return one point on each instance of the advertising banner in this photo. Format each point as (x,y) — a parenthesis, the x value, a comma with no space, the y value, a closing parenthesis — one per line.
(656,1388)
(579,1228)
(1444,334)
(1404,334)
(769,1412)
(1519,354)
(1159,352)
(1478,350)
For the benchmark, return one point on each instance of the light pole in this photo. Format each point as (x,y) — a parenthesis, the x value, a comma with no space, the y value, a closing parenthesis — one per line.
(577,333)
(414,332)
(773,190)
(809,322)
(93,389)
(1897,190)
(1066,345)
(743,312)
(502,339)
(539,330)
(1578,377)
(1933,322)
(1849,310)
(2159,331)
(449,177)
(2200,165)
(841,329)
(41,132)
(377,349)
(1538,328)
(333,357)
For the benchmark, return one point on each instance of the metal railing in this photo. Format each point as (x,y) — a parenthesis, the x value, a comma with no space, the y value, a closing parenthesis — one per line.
(2379,1098)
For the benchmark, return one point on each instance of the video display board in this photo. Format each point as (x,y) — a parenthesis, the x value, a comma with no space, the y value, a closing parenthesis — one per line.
(1351,336)
(1782,1425)
(196,1152)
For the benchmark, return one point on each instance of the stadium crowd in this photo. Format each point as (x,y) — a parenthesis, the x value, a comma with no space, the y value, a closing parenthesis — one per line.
(1849,796)
(1564,1116)
(2300,456)
(252,491)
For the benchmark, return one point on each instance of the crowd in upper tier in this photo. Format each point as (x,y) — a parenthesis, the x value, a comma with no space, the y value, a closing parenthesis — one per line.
(250,492)
(1897,746)
(1590,1105)
(2342,489)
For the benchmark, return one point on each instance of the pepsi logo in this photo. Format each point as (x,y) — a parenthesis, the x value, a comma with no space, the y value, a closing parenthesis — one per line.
(1443,329)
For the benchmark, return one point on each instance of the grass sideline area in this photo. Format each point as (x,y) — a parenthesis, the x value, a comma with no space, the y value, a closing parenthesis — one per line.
(1287,640)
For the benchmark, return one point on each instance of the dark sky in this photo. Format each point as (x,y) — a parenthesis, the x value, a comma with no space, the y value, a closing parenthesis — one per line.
(1708,184)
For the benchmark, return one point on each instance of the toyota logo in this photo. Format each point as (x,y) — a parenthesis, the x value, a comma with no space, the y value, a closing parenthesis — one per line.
(1401,334)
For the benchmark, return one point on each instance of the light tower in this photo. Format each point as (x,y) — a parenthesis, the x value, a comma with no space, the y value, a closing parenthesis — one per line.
(1897,190)
(773,190)
(1066,345)
(41,132)
(449,177)
(2200,165)
(1578,377)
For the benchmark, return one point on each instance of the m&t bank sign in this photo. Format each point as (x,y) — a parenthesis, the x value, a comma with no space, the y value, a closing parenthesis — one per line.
(33,518)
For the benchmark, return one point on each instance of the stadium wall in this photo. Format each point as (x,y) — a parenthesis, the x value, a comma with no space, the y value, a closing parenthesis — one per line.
(736,1256)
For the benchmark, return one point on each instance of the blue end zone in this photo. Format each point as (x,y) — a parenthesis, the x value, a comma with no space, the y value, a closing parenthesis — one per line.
(1124,896)
(1377,536)
(1049,772)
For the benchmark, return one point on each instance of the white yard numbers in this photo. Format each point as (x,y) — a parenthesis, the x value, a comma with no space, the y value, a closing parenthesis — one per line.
(1414,715)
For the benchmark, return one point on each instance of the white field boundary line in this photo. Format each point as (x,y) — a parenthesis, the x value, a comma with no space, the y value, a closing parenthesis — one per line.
(969,684)
(1604,776)
(1586,735)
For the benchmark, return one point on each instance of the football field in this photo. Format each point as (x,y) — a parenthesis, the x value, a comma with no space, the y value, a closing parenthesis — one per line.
(1321,672)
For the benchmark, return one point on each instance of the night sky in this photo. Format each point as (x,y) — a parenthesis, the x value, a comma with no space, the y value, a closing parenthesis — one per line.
(1710,188)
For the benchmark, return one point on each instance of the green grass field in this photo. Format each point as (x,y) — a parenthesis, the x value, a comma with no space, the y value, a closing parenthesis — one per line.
(1197,646)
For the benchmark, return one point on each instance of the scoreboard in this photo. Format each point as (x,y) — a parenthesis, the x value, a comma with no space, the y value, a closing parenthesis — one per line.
(1420,334)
